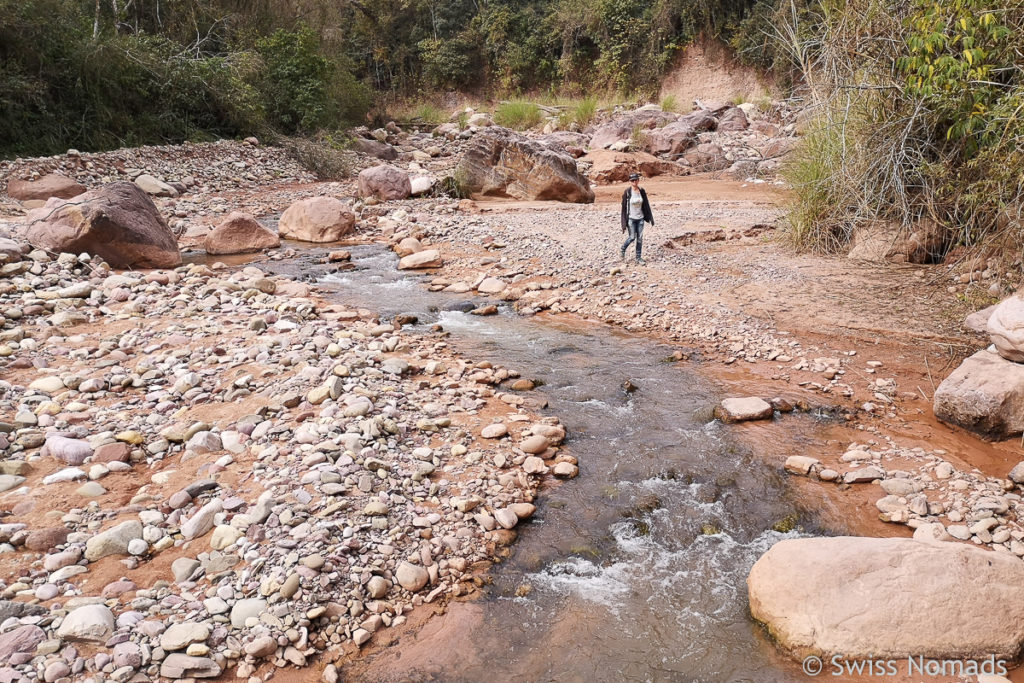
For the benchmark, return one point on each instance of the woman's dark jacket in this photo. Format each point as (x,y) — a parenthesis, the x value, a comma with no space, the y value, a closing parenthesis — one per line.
(645,207)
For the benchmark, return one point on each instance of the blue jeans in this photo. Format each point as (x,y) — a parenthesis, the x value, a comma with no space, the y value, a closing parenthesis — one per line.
(636,232)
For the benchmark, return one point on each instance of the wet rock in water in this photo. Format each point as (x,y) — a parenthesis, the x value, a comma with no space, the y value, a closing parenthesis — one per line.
(502,163)
(117,222)
(889,598)
(985,395)
(743,409)
(92,623)
(1006,327)
(50,185)
(801,464)
(385,182)
(428,258)
(240,233)
(317,219)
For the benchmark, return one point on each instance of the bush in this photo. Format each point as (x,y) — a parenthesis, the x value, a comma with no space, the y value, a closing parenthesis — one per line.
(518,115)
(932,130)
(325,155)
(669,103)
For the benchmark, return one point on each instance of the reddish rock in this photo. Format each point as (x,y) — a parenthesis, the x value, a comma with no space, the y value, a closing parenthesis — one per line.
(240,233)
(501,163)
(117,222)
(113,590)
(52,185)
(317,219)
(21,639)
(733,119)
(112,452)
(43,540)
(384,182)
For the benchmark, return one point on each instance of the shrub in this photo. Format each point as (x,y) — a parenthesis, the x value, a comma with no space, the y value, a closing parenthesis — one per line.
(669,103)
(518,115)
(325,155)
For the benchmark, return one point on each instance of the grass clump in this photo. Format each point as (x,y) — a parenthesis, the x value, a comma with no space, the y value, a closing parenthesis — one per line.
(669,103)
(518,115)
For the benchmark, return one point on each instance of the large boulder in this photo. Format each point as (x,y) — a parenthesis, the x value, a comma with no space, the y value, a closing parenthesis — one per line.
(50,185)
(240,233)
(621,128)
(373,148)
(732,120)
(675,138)
(317,219)
(607,166)
(889,598)
(1006,327)
(985,395)
(707,156)
(501,163)
(117,222)
(384,182)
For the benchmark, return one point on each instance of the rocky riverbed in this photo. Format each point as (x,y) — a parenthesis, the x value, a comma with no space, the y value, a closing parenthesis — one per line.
(217,469)
(207,469)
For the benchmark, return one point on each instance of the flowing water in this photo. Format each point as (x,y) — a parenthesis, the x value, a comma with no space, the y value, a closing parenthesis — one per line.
(635,570)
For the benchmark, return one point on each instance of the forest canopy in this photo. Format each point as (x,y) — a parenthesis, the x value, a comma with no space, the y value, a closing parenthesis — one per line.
(97,74)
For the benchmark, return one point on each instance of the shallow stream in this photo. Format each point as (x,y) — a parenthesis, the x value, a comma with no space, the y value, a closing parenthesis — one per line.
(635,570)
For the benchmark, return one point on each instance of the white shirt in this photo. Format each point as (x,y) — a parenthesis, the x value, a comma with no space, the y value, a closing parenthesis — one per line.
(636,204)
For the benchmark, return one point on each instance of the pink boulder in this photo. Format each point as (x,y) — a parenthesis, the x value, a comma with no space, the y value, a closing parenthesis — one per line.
(317,219)
(52,185)
(384,182)
(240,233)
(117,222)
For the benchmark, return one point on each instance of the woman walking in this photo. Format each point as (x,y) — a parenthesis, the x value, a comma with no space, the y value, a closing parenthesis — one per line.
(635,210)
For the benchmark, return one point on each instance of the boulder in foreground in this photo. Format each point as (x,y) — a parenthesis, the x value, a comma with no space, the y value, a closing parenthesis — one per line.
(501,163)
(985,395)
(317,219)
(889,598)
(50,185)
(240,233)
(117,222)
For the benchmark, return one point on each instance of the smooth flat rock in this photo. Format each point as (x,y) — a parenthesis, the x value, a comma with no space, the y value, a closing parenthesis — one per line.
(20,639)
(744,409)
(178,665)
(246,609)
(92,623)
(428,258)
(889,598)
(50,185)
(984,395)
